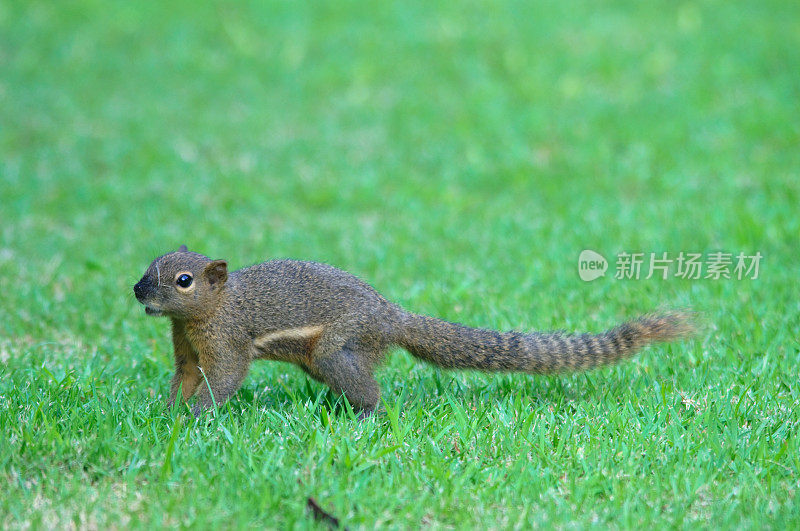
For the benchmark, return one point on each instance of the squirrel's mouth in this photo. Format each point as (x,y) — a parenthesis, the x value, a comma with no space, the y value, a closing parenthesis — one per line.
(153,312)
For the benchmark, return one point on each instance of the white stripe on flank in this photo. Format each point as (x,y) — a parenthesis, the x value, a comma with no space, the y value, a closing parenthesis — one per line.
(303,332)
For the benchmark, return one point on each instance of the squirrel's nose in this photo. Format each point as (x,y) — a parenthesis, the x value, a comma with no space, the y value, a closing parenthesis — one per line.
(138,290)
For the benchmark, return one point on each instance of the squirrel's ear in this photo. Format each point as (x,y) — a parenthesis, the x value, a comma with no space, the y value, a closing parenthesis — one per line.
(216,272)
(183,249)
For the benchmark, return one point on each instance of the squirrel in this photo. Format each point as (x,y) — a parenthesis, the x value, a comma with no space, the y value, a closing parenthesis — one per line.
(337,328)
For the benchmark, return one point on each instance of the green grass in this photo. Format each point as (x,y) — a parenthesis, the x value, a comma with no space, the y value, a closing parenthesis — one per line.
(458,156)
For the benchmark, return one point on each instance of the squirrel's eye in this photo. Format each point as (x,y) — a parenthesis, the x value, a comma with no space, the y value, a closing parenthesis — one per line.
(184,280)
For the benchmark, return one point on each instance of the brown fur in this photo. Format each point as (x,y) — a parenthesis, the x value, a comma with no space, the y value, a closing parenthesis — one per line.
(338,328)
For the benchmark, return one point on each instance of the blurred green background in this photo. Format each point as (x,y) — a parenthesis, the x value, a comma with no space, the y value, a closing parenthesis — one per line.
(458,156)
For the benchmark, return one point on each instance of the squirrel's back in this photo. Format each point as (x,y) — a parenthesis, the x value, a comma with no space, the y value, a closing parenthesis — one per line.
(286,293)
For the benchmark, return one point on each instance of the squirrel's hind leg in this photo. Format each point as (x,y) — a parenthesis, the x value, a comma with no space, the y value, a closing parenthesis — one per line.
(348,373)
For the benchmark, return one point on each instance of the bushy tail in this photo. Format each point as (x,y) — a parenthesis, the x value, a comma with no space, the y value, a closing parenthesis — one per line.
(455,346)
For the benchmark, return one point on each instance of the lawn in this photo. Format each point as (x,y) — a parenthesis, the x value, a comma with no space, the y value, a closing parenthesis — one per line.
(458,156)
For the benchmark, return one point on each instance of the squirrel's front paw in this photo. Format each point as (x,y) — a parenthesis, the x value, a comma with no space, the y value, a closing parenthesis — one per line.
(198,410)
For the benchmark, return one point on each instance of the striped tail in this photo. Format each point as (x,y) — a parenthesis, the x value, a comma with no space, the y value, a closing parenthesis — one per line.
(456,346)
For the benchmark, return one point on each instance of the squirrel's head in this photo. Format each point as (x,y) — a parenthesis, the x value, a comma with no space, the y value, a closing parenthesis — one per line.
(181,284)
